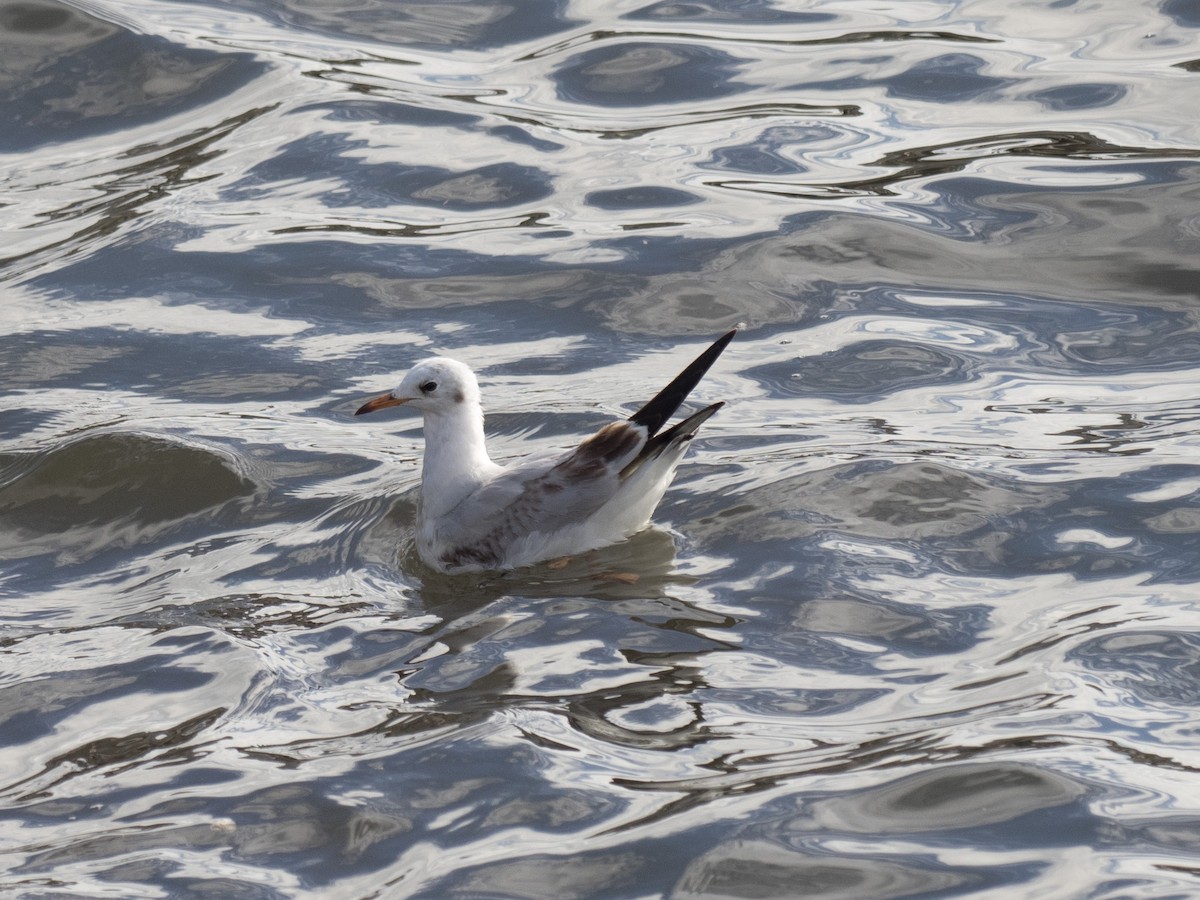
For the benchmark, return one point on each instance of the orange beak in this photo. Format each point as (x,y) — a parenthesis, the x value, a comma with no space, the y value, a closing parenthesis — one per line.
(383,400)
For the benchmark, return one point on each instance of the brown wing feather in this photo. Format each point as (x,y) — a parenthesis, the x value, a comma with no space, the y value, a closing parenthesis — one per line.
(594,456)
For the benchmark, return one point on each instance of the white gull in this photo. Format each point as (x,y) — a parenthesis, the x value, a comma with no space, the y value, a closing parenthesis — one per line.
(477,515)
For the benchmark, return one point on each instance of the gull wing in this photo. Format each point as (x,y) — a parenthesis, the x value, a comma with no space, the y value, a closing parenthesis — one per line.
(540,495)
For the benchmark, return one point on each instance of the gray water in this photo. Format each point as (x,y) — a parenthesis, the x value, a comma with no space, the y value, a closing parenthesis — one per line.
(919,617)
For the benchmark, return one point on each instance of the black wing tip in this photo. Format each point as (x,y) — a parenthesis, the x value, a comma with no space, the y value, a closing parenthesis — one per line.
(718,347)
(654,414)
(688,427)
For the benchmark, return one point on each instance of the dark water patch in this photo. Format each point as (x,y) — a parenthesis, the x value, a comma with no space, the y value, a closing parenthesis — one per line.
(316,836)
(40,361)
(906,628)
(613,873)
(119,842)
(319,836)
(1166,341)
(249,617)
(964,339)
(879,499)
(194,365)
(535,222)
(146,174)
(866,371)
(639,198)
(744,867)
(954,521)
(526,139)
(451,24)
(725,12)
(127,749)
(333,548)
(1079,146)
(381,185)
(947,78)
(821,259)
(958,799)
(1184,12)
(389,113)
(924,162)
(169,875)
(502,790)
(111,491)
(789,645)
(33,708)
(1096,533)
(1054,234)
(670,120)
(720,293)
(117,477)
(818,615)
(66,75)
(1161,668)
(421,118)
(664,715)
(788,271)
(1079,96)
(1176,834)
(633,73)
(265,385)
(477,664)
(929,515)
(311,829)
(785,702)
(1120,436)
(819,838)
(17,422)
(776,150)
(316,280)
(488,187)
(382,652)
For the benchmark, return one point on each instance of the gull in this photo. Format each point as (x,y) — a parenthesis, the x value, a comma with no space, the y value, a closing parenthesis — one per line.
(476,515)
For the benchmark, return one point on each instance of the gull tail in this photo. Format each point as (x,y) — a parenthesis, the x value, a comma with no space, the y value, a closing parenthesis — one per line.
(654,414)
(674,438)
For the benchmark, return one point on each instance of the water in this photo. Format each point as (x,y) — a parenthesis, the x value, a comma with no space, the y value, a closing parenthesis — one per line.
(920,614)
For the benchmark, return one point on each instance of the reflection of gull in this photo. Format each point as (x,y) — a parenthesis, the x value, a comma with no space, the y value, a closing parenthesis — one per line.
(478,515)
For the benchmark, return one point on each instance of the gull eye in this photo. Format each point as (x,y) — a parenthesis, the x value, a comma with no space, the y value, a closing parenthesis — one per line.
(429,387)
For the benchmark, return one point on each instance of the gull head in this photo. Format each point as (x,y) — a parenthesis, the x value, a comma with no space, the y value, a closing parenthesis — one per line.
(437,386)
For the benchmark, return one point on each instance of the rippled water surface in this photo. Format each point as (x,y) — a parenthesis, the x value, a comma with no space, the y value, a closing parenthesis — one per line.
(920,614)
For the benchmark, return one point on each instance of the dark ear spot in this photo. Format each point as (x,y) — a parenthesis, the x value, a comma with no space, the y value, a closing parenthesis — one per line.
(458,397)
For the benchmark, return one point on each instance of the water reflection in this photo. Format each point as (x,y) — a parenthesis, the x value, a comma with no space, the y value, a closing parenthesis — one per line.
(728,12)
(457,24)
(638,74)
(777,869)
(108,491)
(69,75)
(919,615)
